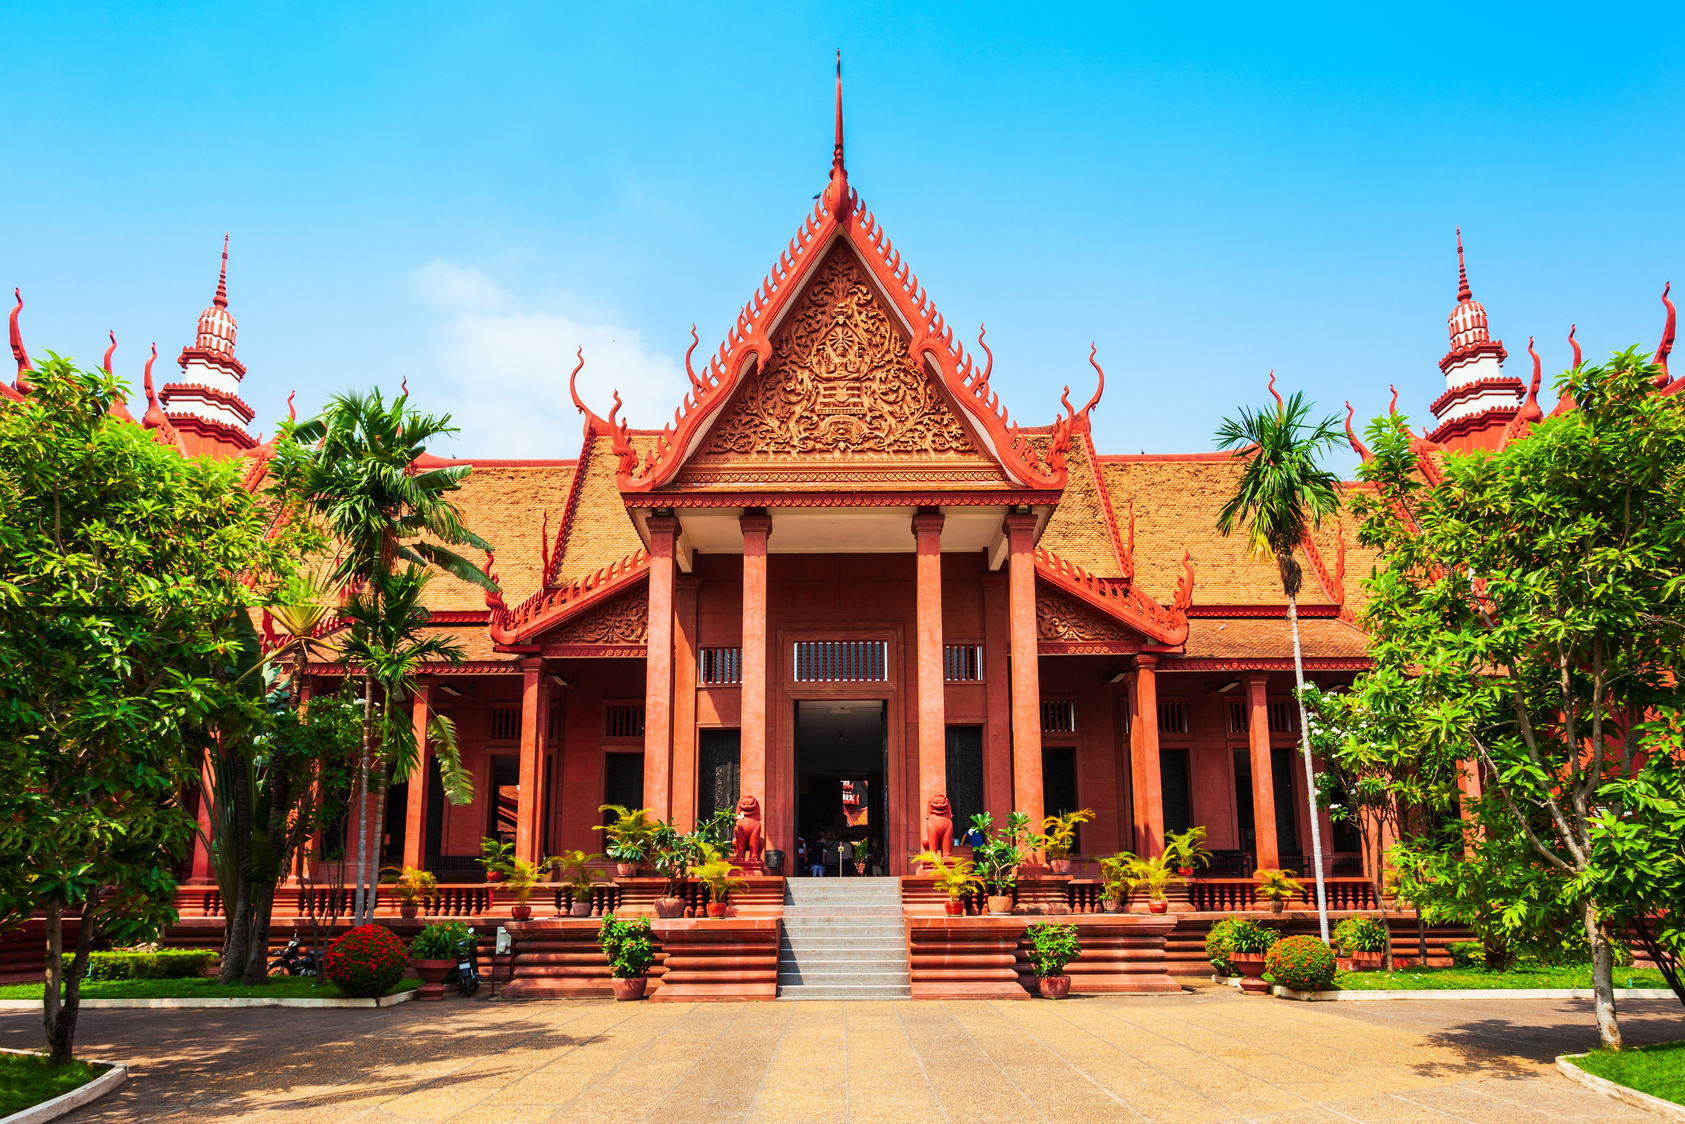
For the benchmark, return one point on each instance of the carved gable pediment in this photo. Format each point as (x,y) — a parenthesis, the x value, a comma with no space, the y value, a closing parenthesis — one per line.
(1062,622)
(840,391)
(625,620)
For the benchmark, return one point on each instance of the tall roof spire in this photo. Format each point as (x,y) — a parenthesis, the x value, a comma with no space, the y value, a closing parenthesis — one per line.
(1463,291)
(837,154)
(221,299)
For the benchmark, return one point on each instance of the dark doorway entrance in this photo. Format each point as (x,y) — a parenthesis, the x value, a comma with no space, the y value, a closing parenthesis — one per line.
(719,754)
(842,751)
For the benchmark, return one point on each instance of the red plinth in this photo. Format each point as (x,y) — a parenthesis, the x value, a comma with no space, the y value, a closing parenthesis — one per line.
(730,959)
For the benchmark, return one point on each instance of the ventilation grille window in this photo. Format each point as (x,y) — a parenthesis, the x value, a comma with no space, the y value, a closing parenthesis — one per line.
(962,663)
(623,720)
(1240,720)
(1172,718)
(722,665)
(505,723)
(1281,717)
(1058,716)
(842,661)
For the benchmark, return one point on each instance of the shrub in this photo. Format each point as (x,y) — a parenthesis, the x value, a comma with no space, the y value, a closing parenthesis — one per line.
(439,941)
(1236,934)
(1052,947)
(1360,934)
(1301,963)
(627,946)
(1467,954)
(165,964)
(1217,946)
(366,962)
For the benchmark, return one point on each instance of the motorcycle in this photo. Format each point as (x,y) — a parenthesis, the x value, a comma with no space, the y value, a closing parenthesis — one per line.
(466,974)
(293,961)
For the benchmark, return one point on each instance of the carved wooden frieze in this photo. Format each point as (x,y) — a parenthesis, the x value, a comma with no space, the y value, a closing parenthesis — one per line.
(625,620)
(1059,620)
(840,384)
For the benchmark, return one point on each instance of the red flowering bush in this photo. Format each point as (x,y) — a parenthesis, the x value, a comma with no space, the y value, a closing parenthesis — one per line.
(1301,963)
(366,962)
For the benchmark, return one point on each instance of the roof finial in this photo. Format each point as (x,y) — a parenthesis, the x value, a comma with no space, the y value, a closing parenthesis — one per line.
(1666,346)
(221,300)
(1281,407)
(154,416)
(1098,390)
(18,352)
(1575,343)
(837,154)
(105,364)
(1463,291)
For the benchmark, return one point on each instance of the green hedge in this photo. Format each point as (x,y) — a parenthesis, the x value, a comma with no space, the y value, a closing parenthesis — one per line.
(165,964)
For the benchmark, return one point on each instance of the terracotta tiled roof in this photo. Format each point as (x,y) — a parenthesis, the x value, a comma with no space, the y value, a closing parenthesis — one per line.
(1080,529)
(1244,639)
(598,531)
(506,506)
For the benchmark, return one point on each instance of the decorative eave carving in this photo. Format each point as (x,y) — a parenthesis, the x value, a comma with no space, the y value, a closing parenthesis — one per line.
(1122,600)
(932,345)
(1066,626)
(550,607)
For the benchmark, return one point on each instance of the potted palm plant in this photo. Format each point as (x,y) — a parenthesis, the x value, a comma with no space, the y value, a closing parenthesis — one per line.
(1051,948)
(412,886)
(631,835)
(716,875)
(862,853)
(522,877)
(630,953)
(1155,876)
(674,852)
(1059,833)
(495,857)
(1360,944)
(578,875)
(1279,886)
(1185,850)
(1118,873)
(433,955)
(1248,941)
(954,877)
(998,857)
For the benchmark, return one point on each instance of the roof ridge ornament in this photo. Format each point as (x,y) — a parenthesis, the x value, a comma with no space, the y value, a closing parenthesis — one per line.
(18,351)
(1666,346)
(838,199)
(221,298)
(1464,293)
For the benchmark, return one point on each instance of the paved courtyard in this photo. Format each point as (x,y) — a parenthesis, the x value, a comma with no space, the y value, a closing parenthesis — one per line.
(1207,1056)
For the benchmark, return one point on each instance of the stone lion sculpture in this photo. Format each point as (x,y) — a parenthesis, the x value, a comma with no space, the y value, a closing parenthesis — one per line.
(746,839)
(939,826)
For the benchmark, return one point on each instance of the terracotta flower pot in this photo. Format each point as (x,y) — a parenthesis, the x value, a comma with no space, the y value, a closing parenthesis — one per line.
(669,907)
(432,973)
(1000,903)
(407,910)
(494,876)
(629,989)
(520,913)
(953,907)
(1053,987)
(580,909)
(1277,905)
(1184,872)
(1365,961)
(716,909)
(1249,964)
(625,870)
(1159,906)
(860,868)
(1059,866)
(1111,905)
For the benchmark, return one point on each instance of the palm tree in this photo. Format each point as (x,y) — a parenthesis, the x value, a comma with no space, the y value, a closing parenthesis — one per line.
(386,641)
(353,467)
(1281,494)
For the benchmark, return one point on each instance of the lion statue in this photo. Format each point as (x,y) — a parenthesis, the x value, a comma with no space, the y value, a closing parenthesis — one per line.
(746,839)
(939,826)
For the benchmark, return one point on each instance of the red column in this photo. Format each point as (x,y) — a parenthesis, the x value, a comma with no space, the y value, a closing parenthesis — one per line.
(932,721)
(535,708)
(757,526)
(1026,673)
(1263,776)
(683,810)
(415,814)
(997,690)
(658,669)
(1146,780)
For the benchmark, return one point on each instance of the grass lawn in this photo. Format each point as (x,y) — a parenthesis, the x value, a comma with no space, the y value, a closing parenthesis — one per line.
(1657,1070)
(279,987)
(27,1079)
(1440,979)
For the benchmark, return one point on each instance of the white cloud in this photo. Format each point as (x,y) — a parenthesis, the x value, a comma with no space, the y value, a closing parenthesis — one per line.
(504,366)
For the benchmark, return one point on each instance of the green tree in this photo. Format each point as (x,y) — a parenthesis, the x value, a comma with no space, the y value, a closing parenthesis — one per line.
(1527,615)
(121,600)
(1282,494)
(354,468)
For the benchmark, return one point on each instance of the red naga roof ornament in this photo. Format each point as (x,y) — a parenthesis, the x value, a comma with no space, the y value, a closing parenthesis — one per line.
(1664,348)
(1123,600)
(18,353)
(839,215)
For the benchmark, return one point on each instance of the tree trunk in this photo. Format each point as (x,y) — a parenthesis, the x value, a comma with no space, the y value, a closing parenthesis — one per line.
(1310,770)
(1602,979)
(63,998)
(237,915)
(363,796)
(50,1008)
(380,789)
(257,941)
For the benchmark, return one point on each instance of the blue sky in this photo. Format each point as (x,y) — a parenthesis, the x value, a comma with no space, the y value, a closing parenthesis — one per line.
(461,194)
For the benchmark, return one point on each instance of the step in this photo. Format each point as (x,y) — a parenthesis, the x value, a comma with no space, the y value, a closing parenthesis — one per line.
(801,992)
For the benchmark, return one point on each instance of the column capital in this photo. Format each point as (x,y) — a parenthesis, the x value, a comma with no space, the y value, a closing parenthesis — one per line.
(1146,661)
(1251,678)
(1020,521)
(755,520)
(928,520)
(662,521)
(533,665)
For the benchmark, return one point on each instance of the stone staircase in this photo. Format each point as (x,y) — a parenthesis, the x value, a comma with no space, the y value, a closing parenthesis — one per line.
(843,938)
